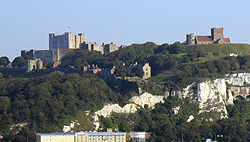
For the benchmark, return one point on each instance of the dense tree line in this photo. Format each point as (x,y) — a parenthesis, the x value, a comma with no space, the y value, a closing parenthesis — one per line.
(50,101)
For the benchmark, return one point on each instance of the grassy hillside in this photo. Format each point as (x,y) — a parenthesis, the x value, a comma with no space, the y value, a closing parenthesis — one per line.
(221,49)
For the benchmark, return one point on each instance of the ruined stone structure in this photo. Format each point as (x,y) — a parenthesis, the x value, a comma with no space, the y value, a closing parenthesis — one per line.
(105,48)
(67,40)
(215,38)
(91,69)
(34,64)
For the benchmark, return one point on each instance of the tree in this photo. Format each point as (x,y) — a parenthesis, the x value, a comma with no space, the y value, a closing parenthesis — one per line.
(162,48)
(122,71)
(18,62)
(27,57)
(4,104)
(3,61)
(137,71)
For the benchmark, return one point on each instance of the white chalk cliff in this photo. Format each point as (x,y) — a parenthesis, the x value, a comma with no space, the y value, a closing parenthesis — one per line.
(214,95)
(211,96)
(238,79)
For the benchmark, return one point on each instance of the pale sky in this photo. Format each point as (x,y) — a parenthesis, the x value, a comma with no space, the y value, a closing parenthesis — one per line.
(26,24)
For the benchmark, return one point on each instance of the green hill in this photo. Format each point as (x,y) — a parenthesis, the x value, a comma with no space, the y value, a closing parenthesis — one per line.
(221,49)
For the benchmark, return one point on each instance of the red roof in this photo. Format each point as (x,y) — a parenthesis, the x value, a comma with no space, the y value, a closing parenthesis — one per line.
(204,38)
(226,40)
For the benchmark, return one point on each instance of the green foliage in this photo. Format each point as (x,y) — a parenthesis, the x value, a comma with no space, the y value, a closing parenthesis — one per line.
(177,48)
(81,58)
(4,61)
(53,100)
(137,71)
(18,62)
(122,71)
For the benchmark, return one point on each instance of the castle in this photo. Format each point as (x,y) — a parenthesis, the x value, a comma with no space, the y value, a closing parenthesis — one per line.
(60,45)
(216,37)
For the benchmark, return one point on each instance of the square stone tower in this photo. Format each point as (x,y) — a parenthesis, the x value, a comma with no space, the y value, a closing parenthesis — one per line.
(216,33)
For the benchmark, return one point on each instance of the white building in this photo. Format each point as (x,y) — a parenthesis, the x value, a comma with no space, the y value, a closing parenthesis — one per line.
(82,137)
(137,136)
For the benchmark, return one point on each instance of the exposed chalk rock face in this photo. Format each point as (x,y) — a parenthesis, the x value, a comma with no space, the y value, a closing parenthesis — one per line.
(109,108)
(147,99)
(190,118)
(176,110)
(211,96)
(20,125)
(238,79)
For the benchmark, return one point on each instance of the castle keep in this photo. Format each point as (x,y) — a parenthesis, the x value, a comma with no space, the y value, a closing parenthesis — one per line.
(216,37)
(67,40)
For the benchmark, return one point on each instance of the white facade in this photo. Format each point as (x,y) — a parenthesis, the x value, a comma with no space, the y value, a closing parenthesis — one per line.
(138,136)
(82,137)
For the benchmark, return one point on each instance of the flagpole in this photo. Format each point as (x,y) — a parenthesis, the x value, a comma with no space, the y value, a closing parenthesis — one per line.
(68,29)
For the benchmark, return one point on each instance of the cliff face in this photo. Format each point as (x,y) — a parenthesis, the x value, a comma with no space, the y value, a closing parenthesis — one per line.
(214,96)
(210,96)
(238,79)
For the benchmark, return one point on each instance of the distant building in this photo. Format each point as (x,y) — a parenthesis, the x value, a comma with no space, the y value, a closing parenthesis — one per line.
(232,54)
(82,137)
(216,37)
(34,64)
(147,71)
(137,136)
(93,69)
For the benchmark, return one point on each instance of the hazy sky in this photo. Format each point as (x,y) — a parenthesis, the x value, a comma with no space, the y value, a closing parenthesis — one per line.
(26,24)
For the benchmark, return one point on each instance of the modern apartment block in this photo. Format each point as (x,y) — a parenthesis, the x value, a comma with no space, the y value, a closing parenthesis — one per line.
(82,137)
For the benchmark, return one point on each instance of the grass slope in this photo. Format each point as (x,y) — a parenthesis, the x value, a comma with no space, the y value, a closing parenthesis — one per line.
(221,49)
